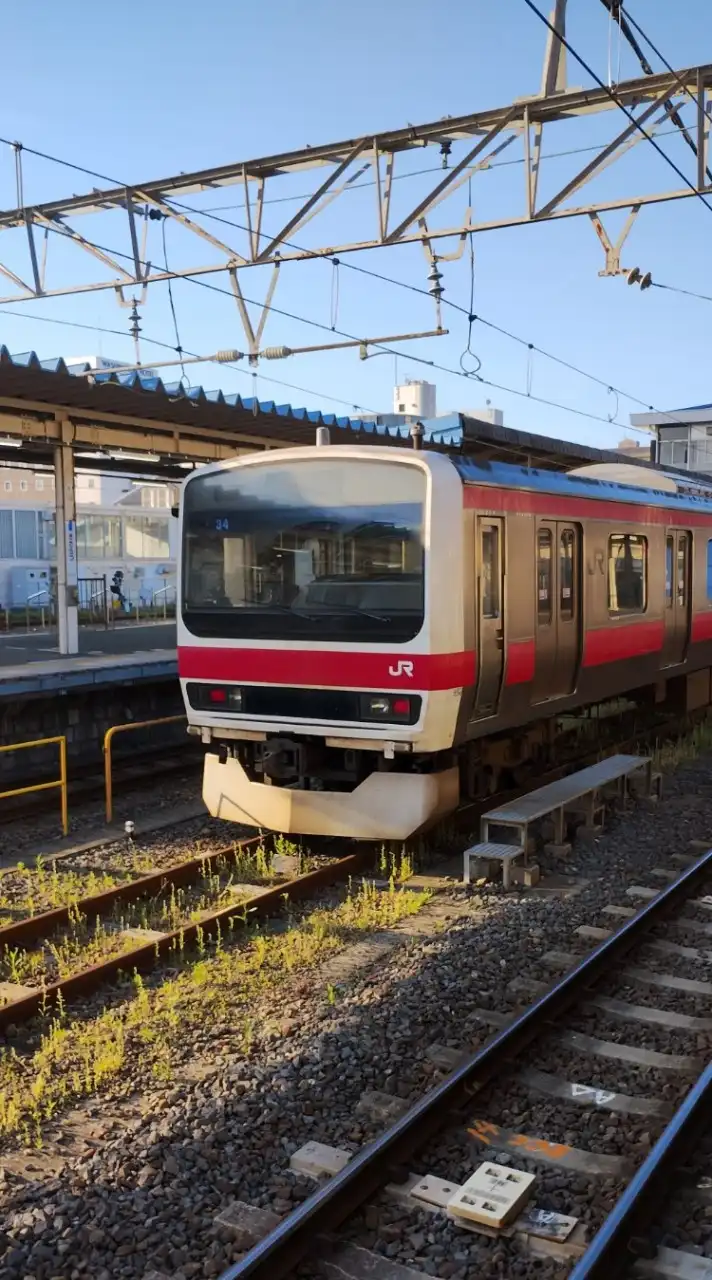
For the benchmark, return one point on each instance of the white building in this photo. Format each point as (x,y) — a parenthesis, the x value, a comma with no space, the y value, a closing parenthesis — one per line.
(122,523)
(415,399)
(683,436)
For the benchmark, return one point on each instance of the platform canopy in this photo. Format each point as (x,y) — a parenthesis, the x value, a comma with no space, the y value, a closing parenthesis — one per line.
(106,417)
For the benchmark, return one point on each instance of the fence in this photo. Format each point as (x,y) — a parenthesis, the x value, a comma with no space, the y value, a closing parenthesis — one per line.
(61,782)
(108,741)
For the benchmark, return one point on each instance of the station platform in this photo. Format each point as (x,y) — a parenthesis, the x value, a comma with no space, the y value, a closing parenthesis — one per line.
(31,664)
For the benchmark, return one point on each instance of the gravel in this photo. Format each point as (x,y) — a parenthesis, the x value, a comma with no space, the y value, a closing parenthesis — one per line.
(149,1200)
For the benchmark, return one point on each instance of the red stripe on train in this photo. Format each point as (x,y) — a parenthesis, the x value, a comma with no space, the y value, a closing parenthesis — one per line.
(329,668)
(701,627)
(557,506)
(618,641)
(521,661)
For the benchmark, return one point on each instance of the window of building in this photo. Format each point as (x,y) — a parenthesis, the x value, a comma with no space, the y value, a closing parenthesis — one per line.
(566,574)
(544,593)
(39,482)
(8,486)
(91,482)
(627,573)
(146,537)
(7,540)
(401,408)
(26,534)
(23,486)
(47,535)
(99,537)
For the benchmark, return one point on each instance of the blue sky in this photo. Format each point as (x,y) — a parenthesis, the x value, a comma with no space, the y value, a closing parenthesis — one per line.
(140,91)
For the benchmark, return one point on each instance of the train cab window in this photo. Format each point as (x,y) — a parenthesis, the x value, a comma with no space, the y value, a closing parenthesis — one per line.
(490,571)
(566,574)
(544,576)
(627,573)
(709,570)
(669,556)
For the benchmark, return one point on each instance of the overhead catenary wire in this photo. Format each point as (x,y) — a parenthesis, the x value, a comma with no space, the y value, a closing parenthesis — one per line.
(168,346)
(377,275)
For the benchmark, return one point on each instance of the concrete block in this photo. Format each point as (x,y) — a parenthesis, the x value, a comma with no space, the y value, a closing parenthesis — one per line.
(381,1106)
(317,1160)
(593,932)
(246,1224)
(350,1262)
(588,834)
(558,850)
(697,847)
(527,876)
(433,1191)
(494,1195)
(11,991)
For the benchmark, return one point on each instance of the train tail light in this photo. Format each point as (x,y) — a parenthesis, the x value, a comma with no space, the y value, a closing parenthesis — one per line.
(382,707)
(227,696)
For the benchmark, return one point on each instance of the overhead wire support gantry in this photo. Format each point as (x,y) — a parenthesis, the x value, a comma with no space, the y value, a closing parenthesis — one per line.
(481,137)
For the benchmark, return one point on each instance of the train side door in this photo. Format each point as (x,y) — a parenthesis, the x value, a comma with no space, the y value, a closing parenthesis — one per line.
(490,611)
(678,595)
(558,605)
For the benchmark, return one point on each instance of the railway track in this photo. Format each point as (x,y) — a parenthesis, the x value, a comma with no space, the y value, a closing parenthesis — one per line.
(658,948)
(139,949)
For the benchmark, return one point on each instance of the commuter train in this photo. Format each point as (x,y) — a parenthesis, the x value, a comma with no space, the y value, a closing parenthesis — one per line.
(366,633)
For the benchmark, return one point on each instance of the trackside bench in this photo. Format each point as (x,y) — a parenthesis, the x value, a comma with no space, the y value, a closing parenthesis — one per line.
(580,790)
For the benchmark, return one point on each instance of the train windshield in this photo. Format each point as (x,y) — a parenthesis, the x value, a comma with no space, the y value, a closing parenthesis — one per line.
(320,549)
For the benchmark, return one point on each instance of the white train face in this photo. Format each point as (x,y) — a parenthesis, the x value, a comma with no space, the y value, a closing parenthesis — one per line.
(321,594)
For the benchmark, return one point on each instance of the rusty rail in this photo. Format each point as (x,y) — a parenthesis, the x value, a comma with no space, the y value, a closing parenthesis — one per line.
(24,932)
(146,956)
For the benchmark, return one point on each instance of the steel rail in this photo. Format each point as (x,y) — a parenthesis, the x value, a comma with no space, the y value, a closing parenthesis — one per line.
(381,1160)
(612,1251)
(147,956)
(32,928)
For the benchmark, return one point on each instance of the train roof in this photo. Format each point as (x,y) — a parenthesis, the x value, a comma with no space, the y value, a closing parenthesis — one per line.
(690,495)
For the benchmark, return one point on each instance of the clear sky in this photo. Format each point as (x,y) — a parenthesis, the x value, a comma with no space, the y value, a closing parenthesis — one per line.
(143,90)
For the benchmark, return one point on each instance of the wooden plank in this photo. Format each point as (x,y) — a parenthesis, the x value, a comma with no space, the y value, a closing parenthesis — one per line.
(529,1147)
(630,1053)
(675,1264)
(586,1095)
(668,981)
(665,948)
(644,1013)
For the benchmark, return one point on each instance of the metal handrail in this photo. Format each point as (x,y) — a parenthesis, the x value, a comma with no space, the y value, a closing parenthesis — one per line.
(61,782)
(108,740)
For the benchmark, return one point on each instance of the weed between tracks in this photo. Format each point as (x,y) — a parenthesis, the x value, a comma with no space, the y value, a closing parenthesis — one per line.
(26,891)
(146,1034)
(85,942)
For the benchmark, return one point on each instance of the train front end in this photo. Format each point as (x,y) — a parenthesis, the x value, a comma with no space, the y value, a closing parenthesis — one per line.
(320,638)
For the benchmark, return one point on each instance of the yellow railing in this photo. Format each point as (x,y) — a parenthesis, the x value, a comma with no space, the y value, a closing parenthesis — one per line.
(61,782)
(108,740)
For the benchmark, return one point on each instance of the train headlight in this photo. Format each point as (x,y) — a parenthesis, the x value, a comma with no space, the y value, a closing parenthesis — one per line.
(381,707)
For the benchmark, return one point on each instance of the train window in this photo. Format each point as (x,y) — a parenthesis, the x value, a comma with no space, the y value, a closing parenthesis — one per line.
(681,571)
(669,553)
(627,573)
(566,574)
(490,571)
(544,584)
(709,569)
